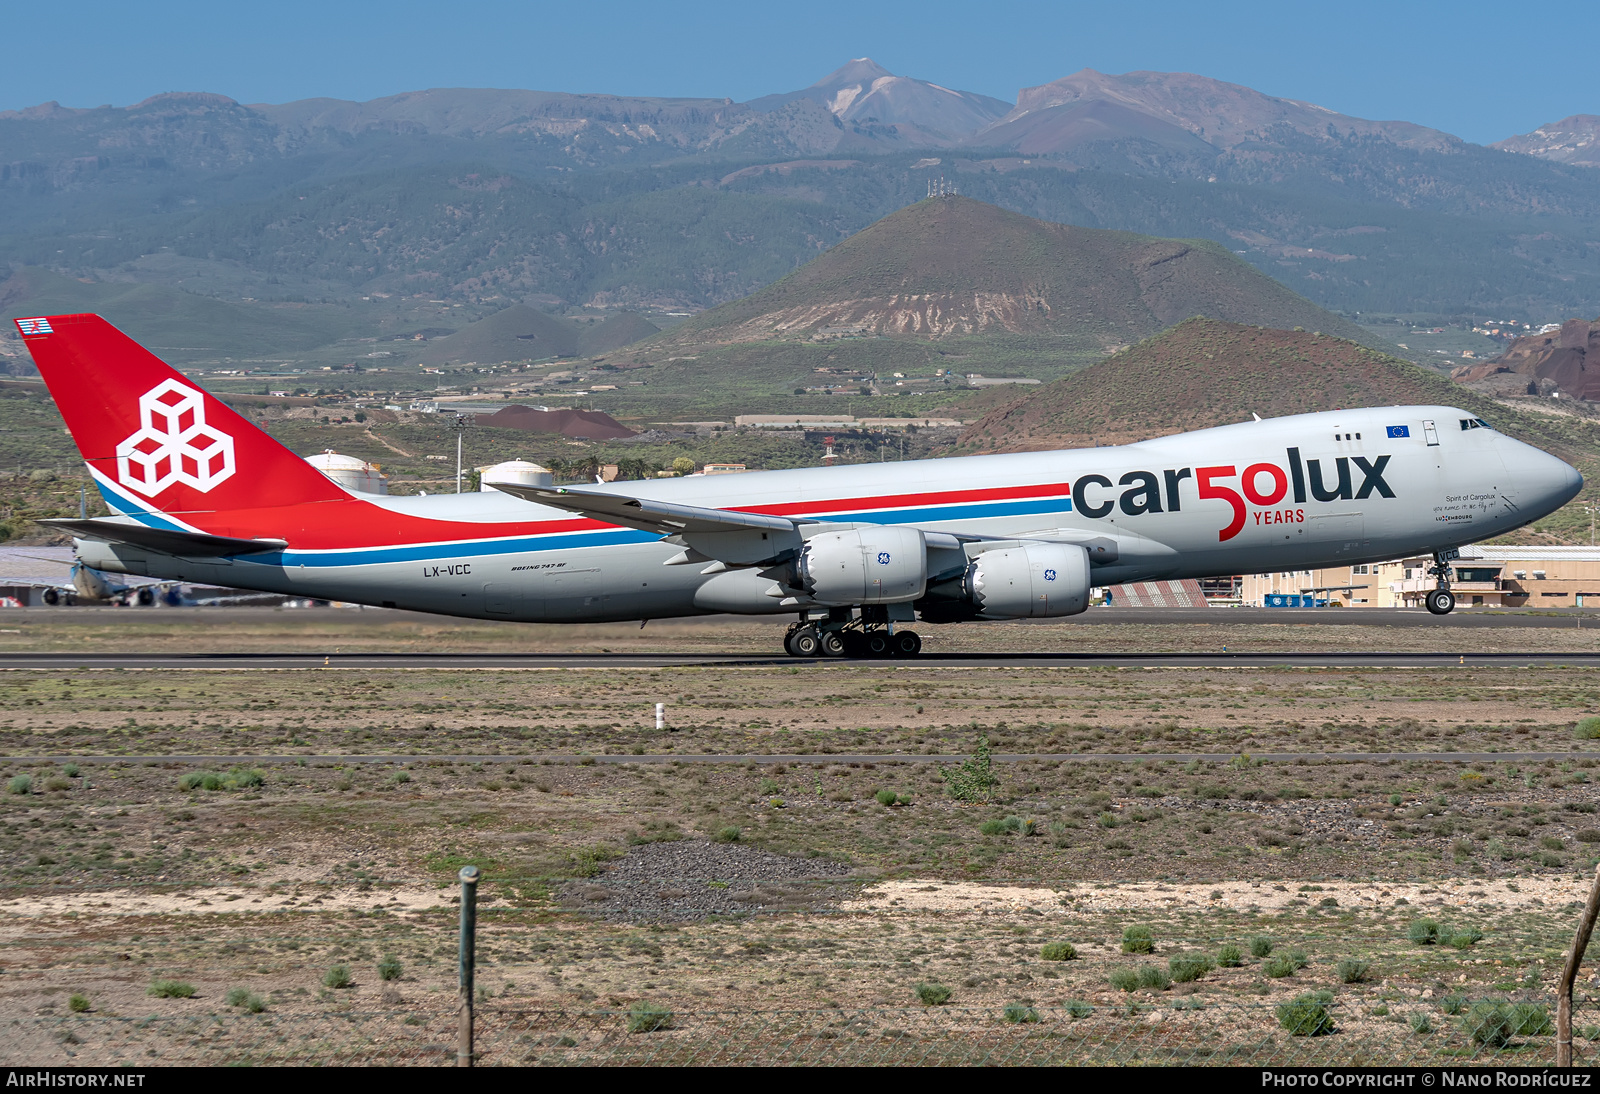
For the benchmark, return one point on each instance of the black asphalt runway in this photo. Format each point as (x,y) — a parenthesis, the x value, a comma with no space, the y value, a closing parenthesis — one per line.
(511,662)
(1339,617)
(843,758)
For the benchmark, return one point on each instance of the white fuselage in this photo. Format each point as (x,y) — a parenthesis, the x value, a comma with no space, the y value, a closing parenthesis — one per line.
(1331,488)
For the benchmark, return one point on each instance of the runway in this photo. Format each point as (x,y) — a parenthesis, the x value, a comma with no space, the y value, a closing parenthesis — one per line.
(537,662)
(832,758)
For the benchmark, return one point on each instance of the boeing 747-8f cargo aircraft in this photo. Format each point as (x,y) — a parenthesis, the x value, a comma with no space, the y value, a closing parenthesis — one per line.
(853,552)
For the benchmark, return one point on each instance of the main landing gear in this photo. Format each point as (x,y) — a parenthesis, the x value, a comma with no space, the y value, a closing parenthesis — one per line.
(844,635)
(1441,601)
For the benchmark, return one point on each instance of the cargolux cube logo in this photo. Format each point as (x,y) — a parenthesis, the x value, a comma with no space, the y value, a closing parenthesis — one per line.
(174,444)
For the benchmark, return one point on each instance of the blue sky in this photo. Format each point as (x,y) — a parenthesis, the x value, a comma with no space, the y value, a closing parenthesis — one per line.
(1469,68)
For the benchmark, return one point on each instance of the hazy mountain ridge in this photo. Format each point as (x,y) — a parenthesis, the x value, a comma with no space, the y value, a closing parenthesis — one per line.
(1574,140)
(693,202)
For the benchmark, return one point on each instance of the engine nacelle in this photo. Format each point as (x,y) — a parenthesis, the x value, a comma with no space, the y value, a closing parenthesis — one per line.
(883,564)
(1029,581)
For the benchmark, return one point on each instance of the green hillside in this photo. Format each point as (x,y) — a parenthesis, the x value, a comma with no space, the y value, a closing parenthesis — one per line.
(176,325)
(1205,373)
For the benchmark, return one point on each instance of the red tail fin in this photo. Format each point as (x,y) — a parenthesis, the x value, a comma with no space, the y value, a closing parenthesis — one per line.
(155,437)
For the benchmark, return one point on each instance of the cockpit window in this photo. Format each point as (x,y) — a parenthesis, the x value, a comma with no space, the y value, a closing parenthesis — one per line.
(1475,423)
(1483,424)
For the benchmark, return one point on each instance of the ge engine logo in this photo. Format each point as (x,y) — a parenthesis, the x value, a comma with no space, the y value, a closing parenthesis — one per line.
(883,558)
(174,444)
(1049,575)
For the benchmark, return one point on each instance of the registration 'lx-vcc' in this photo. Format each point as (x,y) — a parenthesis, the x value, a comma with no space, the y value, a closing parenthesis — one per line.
(853,553)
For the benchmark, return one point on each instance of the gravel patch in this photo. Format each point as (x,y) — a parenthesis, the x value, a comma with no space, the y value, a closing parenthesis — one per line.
(696,879)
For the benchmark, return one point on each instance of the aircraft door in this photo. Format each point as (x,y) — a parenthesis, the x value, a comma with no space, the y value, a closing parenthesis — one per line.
(1430,434)
(502,598)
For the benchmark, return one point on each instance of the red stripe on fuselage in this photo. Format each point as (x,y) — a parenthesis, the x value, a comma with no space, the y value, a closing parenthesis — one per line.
(353,523)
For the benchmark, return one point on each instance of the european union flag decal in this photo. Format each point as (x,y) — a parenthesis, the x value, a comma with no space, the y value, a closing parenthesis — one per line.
(1399,431)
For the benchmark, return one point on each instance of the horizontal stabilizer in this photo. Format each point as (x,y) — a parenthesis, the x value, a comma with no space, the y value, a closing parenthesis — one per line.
(665,517)
(171,541)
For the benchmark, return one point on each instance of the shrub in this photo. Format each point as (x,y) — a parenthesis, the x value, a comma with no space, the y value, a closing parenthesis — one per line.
(390,968)
(1020,1012)
(1587,835)
(58,782)
(1490,1024)
(1462,939)
(887,797)
(189,781)
(1352,971)
(1278,967)
(78,1003)
(210,781)
(1078,1008)
(254,1003)
(1123,979)
(337,977)
(1151,977)
(1307,1015)
(730,834)
(1188,967)
(1229,957)
(1531,1020)
(1138,940)
(1420,1022)
(992,827)
(974,778)
(933,995)
(1260,946)
(245,778)
(171,989)
(1299,958)
(1588,729)
(236,997)
(648,1017)
(1424,932)
(71,771)
(1058,951)
(1454,1003)
(20,784)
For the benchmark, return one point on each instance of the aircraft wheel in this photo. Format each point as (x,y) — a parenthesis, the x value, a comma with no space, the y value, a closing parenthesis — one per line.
(831,644)
(877,644)
(907,643)
(855,643)
(1441,601)
(805,642)
(51,597)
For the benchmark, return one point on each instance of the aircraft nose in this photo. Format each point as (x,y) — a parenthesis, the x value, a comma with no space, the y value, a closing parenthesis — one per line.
(1544,482)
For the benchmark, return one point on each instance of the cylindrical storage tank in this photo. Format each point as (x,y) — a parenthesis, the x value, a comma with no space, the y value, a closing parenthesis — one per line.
(520,472)
(350,472)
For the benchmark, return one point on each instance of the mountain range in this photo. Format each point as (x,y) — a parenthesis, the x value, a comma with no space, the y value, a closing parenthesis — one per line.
(490,198)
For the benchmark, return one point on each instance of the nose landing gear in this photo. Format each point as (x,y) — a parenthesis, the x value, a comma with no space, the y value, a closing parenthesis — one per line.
(1441,601)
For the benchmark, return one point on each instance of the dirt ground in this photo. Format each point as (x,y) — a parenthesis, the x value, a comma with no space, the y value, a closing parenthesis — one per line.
(746,887)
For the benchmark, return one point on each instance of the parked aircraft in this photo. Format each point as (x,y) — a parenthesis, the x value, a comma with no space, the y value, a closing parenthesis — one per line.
(86,585)
(854,552)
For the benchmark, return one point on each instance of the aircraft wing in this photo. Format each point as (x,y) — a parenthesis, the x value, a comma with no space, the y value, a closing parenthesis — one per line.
(29,583)
(665,517)
(170,541)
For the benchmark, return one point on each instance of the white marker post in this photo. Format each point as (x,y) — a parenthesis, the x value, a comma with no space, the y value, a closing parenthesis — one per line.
(661,717)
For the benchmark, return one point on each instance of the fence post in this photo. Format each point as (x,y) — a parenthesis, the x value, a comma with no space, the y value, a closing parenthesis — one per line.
(469,930)
(1569,975)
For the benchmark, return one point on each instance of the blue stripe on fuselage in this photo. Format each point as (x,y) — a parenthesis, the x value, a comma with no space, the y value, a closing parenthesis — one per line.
(610,537)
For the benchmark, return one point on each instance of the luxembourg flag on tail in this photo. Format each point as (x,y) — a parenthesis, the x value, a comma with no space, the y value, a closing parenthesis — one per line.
(34,326)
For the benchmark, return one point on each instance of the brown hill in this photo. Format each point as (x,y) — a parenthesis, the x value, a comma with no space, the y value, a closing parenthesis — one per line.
(954,266)
(1205,373)
(589,424)
(1567,361)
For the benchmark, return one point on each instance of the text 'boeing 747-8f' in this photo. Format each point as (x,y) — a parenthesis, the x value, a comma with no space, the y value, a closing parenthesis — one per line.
(853,553)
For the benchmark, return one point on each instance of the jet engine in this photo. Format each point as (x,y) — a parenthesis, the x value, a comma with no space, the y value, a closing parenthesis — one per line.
(1028,581)
(881,564)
